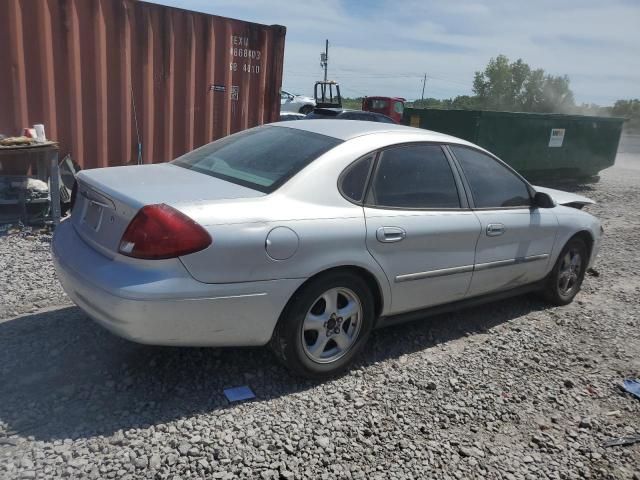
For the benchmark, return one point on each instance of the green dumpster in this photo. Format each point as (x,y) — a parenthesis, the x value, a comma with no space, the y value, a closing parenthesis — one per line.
(547,147)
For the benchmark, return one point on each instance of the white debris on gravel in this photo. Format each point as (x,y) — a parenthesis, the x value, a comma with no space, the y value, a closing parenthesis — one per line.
(512,390)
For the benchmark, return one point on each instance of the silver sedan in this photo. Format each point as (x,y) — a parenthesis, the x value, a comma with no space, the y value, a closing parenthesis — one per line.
(307,235)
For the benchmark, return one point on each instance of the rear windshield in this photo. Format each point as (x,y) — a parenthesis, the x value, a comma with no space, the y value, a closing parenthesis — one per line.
(261,158)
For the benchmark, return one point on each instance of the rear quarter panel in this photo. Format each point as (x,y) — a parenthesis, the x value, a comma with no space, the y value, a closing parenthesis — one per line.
(334,236)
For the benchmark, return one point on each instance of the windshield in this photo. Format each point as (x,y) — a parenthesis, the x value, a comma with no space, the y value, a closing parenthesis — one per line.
(262,158)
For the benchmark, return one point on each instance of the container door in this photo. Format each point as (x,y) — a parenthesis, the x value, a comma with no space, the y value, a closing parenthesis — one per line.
(418,227)
(515,240)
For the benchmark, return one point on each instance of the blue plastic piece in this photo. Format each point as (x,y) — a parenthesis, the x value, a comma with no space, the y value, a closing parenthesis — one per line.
(633,387)
(237,394)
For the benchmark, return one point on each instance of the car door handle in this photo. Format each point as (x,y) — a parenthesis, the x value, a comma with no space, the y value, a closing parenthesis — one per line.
(495,229)
(390,234)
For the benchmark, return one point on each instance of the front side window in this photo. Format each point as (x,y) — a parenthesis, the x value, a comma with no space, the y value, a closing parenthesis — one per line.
(492,184)
(398,107)
(262,158)
(414,176)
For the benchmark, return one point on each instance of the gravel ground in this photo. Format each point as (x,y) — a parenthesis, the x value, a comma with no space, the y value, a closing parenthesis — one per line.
(26,274)
(512,390)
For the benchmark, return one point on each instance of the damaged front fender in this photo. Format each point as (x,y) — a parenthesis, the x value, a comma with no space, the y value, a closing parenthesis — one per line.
(566,198)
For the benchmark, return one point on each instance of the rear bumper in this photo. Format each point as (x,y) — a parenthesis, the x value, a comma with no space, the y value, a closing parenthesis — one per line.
(159,303)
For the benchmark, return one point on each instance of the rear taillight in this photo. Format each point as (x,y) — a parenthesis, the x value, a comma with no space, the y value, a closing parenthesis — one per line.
(160,231)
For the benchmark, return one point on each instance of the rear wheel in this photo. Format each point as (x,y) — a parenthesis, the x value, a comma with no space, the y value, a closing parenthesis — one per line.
(565,280)
(325,325)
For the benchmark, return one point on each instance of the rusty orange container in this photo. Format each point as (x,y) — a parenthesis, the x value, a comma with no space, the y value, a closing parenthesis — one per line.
(104,76)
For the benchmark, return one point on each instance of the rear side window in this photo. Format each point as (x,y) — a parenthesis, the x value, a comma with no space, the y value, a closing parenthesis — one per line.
(414,176)
(492,184)
(354,179)
(262,158)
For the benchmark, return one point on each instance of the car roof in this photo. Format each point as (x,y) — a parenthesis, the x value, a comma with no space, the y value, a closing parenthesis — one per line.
(386,98)
(348,129)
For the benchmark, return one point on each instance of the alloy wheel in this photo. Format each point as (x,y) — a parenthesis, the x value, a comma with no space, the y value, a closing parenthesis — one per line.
(569,272)
(332,325)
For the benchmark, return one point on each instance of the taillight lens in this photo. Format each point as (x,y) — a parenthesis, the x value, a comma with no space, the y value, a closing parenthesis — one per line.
(160,231)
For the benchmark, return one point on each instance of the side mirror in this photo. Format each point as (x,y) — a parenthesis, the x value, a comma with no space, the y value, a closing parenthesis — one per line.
(543,200)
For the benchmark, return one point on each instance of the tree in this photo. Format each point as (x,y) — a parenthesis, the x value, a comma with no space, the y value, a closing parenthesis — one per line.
(629,109)
(531,95)
(463,102)
(494,86)
(520,72)
(556,95)
(626,108)
(355,103)
(429,102)
(515,86)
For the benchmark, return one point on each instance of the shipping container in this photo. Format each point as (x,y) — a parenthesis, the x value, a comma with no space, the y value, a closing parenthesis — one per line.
(108,76)
(549,147)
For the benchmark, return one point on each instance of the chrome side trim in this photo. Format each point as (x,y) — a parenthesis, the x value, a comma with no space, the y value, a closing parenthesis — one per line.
(469,268)
(433,273)
(227,297)
(510,261)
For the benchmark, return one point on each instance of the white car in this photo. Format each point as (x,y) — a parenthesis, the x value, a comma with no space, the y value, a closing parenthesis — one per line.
(290,102)
(307,235)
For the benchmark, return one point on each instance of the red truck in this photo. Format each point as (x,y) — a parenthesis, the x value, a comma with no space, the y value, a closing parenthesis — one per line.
(389,106)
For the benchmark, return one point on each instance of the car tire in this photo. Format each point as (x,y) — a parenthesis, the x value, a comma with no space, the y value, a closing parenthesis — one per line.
(309,320)
(565,280)
(306,109)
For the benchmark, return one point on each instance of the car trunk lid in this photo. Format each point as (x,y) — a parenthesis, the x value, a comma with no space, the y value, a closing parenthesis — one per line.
(108,198)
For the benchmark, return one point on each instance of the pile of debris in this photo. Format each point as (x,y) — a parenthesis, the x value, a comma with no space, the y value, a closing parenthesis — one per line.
(34,189)
(17,190)
(27,199)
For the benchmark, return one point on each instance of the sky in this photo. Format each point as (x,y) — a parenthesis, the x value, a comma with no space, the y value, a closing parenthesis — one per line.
(385,47)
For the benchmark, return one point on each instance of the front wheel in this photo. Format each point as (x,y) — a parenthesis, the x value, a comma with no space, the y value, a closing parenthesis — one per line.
(325,325)
(565,280)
